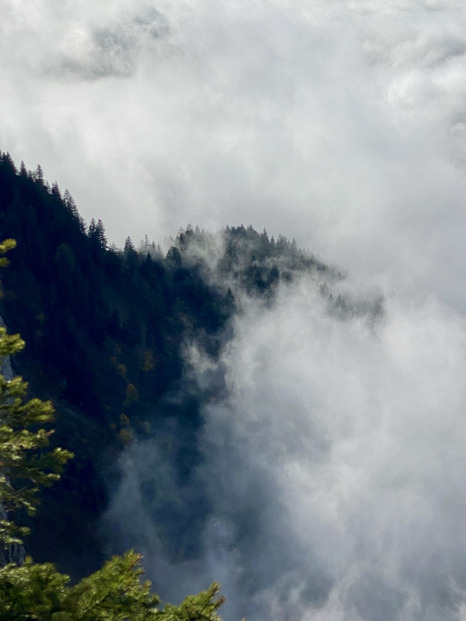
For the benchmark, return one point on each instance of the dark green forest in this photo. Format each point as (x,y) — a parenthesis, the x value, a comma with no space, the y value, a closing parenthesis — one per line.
(105,330)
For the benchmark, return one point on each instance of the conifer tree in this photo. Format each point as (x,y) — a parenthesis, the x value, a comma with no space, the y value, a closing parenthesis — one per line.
(38,592)
(24,465)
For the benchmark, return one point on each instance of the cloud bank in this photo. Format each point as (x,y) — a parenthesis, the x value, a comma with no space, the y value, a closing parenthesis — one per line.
(331,484)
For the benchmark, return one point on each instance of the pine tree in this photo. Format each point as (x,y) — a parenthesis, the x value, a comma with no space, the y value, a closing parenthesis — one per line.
(24,464)
(100,234)
(38,592)
(39,174)
(114,593)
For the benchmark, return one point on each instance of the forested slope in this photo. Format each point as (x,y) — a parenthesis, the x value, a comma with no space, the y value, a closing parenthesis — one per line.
(105,330)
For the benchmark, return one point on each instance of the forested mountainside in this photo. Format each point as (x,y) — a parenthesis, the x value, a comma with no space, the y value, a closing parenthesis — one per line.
(106,329)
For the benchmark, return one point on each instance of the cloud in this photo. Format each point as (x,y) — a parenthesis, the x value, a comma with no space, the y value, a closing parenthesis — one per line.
(331,480)
(106,50)
(340,124)
(358,436)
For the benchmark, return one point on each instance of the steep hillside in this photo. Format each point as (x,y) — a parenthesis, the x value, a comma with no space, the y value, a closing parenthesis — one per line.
(106,331)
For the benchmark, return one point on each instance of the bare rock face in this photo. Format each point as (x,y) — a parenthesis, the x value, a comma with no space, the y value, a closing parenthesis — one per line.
(14,553)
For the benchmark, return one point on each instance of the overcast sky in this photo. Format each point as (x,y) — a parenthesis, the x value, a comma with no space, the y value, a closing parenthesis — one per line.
(339,123)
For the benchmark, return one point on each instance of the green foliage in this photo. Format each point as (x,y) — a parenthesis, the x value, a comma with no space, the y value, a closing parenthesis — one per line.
(114,593)
(201,607)
(24,464)
(32,591)
(7,244)
(38,592)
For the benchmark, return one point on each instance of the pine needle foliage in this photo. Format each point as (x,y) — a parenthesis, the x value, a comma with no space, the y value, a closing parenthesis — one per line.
(25,463)
(38,592)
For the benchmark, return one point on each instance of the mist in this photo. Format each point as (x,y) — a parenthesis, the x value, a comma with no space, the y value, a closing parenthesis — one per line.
(332,472)
(338,123)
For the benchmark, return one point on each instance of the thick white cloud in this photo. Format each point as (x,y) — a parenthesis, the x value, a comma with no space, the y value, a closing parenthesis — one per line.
(333,473)
(340,123)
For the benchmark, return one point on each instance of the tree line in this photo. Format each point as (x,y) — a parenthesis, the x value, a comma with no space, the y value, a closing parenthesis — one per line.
(105,329)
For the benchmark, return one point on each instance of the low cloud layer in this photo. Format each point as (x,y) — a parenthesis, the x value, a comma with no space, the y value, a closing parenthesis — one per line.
(331,484)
